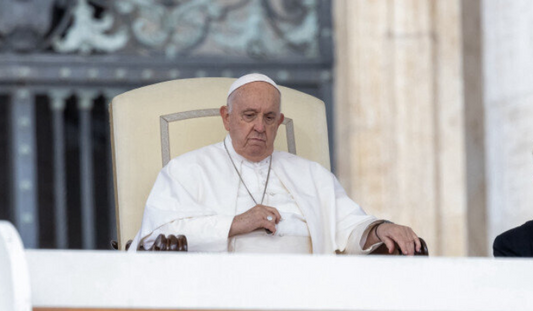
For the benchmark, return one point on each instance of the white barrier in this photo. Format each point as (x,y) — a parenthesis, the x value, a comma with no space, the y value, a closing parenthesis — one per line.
(14,281)
(280,282)
(112,279)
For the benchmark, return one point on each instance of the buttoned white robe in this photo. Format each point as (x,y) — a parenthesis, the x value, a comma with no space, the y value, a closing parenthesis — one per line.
(199,190)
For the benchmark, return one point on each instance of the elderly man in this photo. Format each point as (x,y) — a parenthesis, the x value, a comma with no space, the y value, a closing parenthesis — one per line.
(240,195)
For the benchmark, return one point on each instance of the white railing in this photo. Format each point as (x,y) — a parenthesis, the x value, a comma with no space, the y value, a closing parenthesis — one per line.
(112,279)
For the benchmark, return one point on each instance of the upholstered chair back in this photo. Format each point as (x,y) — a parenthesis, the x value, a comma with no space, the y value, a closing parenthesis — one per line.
(153,124)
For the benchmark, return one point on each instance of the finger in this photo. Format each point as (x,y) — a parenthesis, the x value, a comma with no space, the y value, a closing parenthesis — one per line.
(270,226)
(275,212)
(418,244)
(278,215)
(408,248)
(271,221)
(270,217)
(389,243)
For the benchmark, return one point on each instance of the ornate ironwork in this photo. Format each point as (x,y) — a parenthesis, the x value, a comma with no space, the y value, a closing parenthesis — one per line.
(89,33)
(55,55)
(24,25)
(256,29)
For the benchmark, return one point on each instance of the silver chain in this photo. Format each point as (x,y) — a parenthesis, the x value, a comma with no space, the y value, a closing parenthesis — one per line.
(236,170)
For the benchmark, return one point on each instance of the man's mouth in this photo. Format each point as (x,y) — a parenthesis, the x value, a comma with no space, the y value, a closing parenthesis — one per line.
(258,139)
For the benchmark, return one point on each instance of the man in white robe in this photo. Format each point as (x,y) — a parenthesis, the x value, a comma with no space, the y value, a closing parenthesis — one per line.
(240,195)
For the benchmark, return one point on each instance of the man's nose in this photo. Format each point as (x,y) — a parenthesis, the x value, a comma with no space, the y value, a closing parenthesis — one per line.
(259,125)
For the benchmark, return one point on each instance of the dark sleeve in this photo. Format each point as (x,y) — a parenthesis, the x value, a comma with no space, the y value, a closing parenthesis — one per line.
(517,242)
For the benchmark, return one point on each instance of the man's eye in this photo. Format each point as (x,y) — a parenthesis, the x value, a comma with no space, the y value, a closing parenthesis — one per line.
(249,116)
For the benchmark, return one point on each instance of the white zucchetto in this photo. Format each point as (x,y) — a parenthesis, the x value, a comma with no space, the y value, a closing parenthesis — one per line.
(249,78)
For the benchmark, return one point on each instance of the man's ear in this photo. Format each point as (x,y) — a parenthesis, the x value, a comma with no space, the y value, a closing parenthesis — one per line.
(224,113)
(281,118)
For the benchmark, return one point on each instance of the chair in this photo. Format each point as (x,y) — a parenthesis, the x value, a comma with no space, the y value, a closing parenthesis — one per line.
(152,124)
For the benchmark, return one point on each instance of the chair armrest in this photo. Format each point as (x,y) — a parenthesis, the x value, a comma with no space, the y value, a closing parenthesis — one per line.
(171,243)
(382,249)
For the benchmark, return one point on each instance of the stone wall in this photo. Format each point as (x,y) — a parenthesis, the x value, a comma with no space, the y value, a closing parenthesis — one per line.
(434,111)
(399,109)
(508,103)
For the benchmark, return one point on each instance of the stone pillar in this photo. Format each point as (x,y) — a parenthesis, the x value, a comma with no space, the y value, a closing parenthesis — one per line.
(474,115)
(508,103)
(399,115)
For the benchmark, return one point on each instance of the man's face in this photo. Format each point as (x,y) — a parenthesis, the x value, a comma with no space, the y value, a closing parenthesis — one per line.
(254,119)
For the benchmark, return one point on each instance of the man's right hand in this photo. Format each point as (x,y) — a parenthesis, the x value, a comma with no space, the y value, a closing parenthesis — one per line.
(255,218)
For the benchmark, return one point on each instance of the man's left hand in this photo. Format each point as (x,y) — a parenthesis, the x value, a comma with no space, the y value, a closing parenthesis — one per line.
(389,233)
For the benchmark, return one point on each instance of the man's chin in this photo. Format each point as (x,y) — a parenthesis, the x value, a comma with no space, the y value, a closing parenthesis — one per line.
(257,154)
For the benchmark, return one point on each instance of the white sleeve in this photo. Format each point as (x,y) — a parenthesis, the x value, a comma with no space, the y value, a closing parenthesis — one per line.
(177,206)
(356,242)
(352,223)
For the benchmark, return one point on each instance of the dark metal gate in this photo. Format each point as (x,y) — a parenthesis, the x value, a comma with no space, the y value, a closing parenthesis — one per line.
(62,61)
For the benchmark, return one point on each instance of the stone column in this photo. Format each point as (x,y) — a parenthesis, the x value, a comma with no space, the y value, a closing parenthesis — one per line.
(399,115)
(474,115)
(508,103)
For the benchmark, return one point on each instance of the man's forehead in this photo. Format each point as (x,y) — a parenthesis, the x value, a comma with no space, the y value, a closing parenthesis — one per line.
(256,97)
(255,87)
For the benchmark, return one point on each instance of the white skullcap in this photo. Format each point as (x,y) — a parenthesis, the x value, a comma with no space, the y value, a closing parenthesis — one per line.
(249,78)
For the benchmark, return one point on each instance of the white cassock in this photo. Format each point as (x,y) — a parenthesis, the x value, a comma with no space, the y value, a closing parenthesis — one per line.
(199,193)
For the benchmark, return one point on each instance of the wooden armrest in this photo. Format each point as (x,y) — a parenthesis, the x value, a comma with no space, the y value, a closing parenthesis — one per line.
(170,243)
(179,244)
(382,249)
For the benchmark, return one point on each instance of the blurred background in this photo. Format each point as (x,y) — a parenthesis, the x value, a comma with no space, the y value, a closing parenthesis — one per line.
(429,103)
